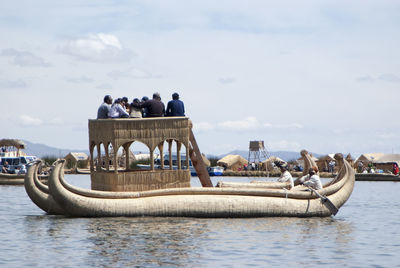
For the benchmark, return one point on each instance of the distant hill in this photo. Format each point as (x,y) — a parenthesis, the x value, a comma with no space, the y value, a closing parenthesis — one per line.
(41,150)
(284,155)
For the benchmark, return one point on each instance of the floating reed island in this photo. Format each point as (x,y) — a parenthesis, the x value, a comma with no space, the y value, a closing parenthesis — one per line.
(166,192)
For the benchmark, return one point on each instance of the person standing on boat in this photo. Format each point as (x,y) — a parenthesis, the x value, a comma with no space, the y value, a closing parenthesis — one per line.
(105,107)
(312,179)
(285,174)
(155,107)
(395,169)
(175,107)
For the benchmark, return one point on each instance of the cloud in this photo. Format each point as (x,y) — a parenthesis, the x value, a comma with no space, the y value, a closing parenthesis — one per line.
(284,145)
(226,80)
(365,79)
(247,124)
(24,58)
(13,84)
(97,48)
(240,125)
(105,86)
(26,121)
(392,78)
(131,73)
(203,127)
(78,80)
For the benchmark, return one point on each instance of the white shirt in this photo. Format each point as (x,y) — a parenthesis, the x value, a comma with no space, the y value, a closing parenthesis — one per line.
(313,181)
(117,111)
(22,170)
(286,177)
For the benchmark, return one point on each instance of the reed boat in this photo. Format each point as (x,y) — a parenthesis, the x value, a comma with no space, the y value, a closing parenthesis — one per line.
(377,177)
(167,192)
(16,179)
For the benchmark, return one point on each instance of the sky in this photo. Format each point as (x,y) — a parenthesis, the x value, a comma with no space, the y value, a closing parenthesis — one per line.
(317,75)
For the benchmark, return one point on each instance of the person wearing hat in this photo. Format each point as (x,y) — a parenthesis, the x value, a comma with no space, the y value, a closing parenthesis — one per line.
(312,179)
(285,174)
(175,107)
(155,107)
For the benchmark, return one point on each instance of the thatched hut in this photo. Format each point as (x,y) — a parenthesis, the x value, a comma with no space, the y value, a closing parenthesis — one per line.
(366,159)
(323,162)
(76,159)
(232,162)
(386,162)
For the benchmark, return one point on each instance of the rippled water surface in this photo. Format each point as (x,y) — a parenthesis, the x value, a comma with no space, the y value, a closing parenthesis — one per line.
(365,233)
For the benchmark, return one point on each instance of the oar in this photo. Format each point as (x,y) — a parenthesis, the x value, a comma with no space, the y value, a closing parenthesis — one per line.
(325,200)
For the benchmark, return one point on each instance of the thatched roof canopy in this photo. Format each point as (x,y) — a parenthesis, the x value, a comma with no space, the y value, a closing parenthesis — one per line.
(388,158)
(77,156)
(12,142)
(232,159)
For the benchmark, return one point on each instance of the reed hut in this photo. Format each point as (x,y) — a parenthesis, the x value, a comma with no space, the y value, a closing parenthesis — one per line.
(386,162)
(76,159)
(323,162)
(232,162)
(367,159)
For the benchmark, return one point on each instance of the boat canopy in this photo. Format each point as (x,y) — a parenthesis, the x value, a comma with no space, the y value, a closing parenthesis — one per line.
(12,142)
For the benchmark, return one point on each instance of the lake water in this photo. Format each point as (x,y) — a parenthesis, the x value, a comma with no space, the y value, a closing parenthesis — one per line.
(365,233)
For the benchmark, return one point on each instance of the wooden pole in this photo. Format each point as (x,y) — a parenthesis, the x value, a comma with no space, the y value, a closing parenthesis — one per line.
(198,162)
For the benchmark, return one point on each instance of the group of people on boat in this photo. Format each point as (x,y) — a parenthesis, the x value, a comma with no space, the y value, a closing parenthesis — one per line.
(121,108)
(18,170)
(311,180)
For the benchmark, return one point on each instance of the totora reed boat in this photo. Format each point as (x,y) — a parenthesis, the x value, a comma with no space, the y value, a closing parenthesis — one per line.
(167,193)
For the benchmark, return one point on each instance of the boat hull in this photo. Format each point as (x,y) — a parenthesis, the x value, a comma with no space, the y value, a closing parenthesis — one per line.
(376,177)
(15,179)
(203,202)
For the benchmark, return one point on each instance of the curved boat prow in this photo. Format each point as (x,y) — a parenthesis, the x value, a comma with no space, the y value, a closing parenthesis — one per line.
(308,163)
(39,193)
(345,179)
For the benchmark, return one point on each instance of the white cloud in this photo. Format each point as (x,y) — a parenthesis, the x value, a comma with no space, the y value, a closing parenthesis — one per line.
(284,145)
(26,120)
(97,48)
(24,58)
(365,79)
(79,80)
(105,86)
(389,78)
(240,125)
(12,84)
(131,73)
(247,124)
(226,80)
(203,127)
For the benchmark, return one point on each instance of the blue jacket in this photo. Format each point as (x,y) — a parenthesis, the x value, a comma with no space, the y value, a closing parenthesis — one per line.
(175,108)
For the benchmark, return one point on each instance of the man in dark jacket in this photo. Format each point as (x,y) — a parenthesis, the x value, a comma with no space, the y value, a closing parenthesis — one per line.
(175,106)
(155,107)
